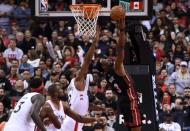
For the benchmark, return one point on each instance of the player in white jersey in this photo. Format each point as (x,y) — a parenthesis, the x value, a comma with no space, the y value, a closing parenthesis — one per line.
(77,90)
(25,115)
(60,109)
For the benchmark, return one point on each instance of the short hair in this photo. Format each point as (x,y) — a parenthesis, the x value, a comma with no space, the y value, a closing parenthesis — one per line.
(52,89)
(35,83)
(186,88)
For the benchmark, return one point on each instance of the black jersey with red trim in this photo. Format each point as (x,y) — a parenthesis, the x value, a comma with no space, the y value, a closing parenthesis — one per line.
(118,83)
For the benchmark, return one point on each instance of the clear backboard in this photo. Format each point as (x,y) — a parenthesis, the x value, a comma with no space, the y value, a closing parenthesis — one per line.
(59,9)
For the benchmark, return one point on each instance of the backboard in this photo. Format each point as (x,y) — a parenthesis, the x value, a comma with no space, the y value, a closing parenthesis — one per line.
(59,9)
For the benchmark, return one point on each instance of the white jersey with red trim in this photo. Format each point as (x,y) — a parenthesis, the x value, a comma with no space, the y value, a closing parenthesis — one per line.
(60,114)
(79,103)
(20,119)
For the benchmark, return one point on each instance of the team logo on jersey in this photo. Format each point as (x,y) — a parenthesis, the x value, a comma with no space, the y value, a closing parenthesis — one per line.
(43,5)
(111,79)
(116,86)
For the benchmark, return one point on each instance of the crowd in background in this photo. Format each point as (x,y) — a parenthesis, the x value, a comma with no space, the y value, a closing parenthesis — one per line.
(25,54)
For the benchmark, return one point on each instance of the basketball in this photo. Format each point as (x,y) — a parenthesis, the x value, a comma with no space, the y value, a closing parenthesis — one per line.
(117,12)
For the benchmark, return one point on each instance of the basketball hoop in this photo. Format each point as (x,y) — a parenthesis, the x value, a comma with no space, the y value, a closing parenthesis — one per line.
(86,16)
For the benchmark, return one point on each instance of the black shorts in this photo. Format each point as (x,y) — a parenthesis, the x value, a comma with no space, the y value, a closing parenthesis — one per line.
(128,105)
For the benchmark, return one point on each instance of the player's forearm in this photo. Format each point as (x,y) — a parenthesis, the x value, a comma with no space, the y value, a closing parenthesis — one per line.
(121,43)
(121,48)
(90,53)
(94,107)
(38,121)
(85,119)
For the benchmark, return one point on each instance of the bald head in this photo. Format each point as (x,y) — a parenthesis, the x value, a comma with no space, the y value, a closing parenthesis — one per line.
(19,85)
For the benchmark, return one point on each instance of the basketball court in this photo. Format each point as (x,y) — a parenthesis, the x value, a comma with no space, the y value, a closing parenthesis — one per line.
(134,10)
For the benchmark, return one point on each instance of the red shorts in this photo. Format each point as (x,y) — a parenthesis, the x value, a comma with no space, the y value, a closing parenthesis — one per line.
(128,107)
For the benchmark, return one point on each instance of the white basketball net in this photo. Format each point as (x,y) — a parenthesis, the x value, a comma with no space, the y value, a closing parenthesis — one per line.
(86,17)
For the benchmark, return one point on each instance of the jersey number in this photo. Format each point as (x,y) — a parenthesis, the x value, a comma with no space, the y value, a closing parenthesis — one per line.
(19,107)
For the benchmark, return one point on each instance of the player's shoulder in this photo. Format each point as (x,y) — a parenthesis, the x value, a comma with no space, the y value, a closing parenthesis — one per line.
(37,97)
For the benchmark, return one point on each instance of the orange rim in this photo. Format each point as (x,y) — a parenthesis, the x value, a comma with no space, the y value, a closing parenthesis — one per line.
(85,6)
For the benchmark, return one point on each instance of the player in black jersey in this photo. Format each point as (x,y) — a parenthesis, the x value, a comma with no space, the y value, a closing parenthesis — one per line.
(122,84)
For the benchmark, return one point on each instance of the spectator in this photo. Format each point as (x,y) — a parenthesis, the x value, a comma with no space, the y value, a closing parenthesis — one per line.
(172,92)
(186,122)
(168,124)
(68,55)
(110,99)
(3,113)
(63,81)
(103,121)
(5,37)
(5,12)
(12,53)
(165,109)
(166,99)
(21,14)
(181,78)
(57,68)
(52,79)
(26,76)
(13,76)
(2,62)
(187,92)
(42,66)
(25,66)
(19,90)
(111,117)
(4,82)
(5,99)
(61,28)
(101,89)
(33,58)
(43,29)
(29,41)
(2,46)
(177,111)
(49,64)
(54,38)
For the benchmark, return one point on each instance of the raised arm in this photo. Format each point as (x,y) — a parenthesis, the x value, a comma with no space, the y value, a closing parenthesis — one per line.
(76,116)
(88,57)
(119,67)
(38,101)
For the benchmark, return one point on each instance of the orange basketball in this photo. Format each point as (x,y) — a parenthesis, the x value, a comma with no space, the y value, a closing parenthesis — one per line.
(117,12)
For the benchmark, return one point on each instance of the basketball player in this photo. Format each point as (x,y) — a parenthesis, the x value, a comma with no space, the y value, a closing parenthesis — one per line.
(77,90)
(25,115)
(60,109)
(122,83)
